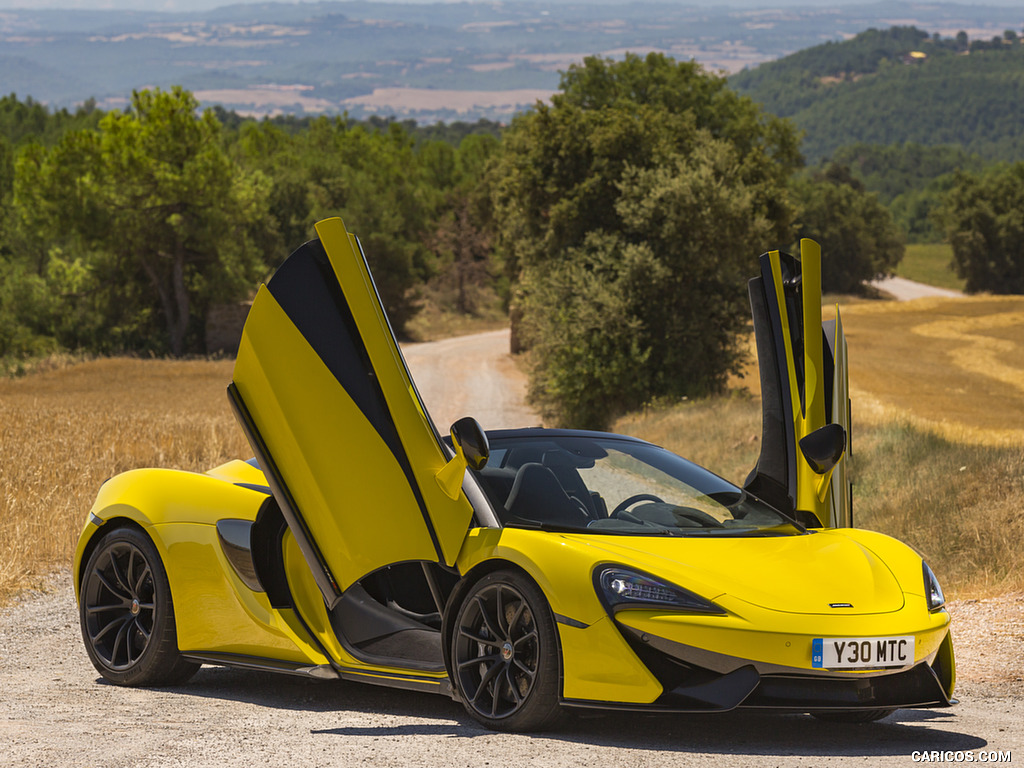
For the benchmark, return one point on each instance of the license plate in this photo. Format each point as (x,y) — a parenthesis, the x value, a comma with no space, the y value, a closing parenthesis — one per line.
(861,652)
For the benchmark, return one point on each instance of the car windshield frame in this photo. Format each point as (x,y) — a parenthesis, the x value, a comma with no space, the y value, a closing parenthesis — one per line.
(573,482)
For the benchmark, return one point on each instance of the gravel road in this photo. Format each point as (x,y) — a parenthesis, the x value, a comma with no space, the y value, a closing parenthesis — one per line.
(902,289)
(471,376)
(56,711)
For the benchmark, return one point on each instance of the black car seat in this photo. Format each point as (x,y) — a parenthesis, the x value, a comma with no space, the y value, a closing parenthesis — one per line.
(537,495)
(565,467)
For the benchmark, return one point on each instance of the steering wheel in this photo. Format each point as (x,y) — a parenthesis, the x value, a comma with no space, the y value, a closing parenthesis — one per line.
(625,504)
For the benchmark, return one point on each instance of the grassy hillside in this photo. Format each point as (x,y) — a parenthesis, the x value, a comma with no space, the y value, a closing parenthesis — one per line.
(930,263)
(899,85)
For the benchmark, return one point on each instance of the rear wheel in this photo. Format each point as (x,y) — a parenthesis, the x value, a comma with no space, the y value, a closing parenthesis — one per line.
(854,715)
(505,654)
(126,613)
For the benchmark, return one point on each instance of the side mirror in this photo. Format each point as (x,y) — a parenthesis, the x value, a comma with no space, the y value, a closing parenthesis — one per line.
(471,450)
(824,447)
(469,438)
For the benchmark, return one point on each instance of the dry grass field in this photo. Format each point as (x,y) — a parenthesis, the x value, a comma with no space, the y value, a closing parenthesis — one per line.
(64,431)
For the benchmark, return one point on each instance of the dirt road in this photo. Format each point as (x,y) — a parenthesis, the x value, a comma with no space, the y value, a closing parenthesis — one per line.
(905,290)
(471,376)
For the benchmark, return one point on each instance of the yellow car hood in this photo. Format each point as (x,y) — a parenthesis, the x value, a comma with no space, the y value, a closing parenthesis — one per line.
(814,573)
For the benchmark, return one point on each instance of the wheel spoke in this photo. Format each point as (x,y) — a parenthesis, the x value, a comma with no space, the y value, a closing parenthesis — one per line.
(510,681)
(490,642)
(101,608)
(531,635)
(128,572)
(130,639)
(122,637)
(119,621)
(114,590)
(523,668)
(143,631)
(121,579)
(499,606)
(494,699)
(488,677)
(142,576)
(492,659)
(487,619)
(516,616)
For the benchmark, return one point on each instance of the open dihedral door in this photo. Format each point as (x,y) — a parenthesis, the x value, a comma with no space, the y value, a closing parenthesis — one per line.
(804,386)
(324,396)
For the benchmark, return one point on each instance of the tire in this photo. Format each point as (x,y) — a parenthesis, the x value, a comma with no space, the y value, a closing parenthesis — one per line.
(853,715)
(505,656)
(126,613)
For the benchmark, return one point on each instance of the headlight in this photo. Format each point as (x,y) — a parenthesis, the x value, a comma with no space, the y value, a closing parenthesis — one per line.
(624,588)
(932,590)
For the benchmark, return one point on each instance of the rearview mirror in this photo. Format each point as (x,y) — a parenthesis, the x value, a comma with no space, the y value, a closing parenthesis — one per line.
(824,447)
(469,439)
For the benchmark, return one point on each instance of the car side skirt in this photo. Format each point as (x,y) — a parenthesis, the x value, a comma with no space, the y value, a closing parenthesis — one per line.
(324,672)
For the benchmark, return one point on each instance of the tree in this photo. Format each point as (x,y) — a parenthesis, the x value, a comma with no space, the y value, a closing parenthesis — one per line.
(463,234)
(859,240)
(627,211)
(168,222)
(371,177)
(983,215)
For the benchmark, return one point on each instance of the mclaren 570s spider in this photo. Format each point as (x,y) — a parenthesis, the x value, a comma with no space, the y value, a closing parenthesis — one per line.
(522,572)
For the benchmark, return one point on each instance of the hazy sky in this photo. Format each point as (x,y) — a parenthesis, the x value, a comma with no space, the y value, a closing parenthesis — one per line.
(202,5)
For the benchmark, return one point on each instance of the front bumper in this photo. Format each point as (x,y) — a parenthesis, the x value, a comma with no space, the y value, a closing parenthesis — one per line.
(695,679)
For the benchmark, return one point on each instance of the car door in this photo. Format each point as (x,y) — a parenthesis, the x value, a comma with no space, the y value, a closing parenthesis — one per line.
(804,386)
(325,398)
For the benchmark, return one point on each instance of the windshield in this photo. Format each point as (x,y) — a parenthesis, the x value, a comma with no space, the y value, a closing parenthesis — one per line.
(618,486)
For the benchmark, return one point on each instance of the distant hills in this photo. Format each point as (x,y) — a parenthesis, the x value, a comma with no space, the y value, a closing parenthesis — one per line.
(428,61)
(900,85)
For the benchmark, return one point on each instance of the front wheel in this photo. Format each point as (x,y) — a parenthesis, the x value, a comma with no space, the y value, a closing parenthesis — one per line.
(505,654)
(126,613)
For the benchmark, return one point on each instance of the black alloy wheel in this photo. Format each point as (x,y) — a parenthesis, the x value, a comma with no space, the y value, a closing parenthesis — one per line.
(505,654)
(126,613)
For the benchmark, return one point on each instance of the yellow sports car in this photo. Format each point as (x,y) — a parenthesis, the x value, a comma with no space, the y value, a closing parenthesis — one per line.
(521,572)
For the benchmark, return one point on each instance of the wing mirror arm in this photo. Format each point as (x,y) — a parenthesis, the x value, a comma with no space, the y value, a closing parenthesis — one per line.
(471,450)
(823,449)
